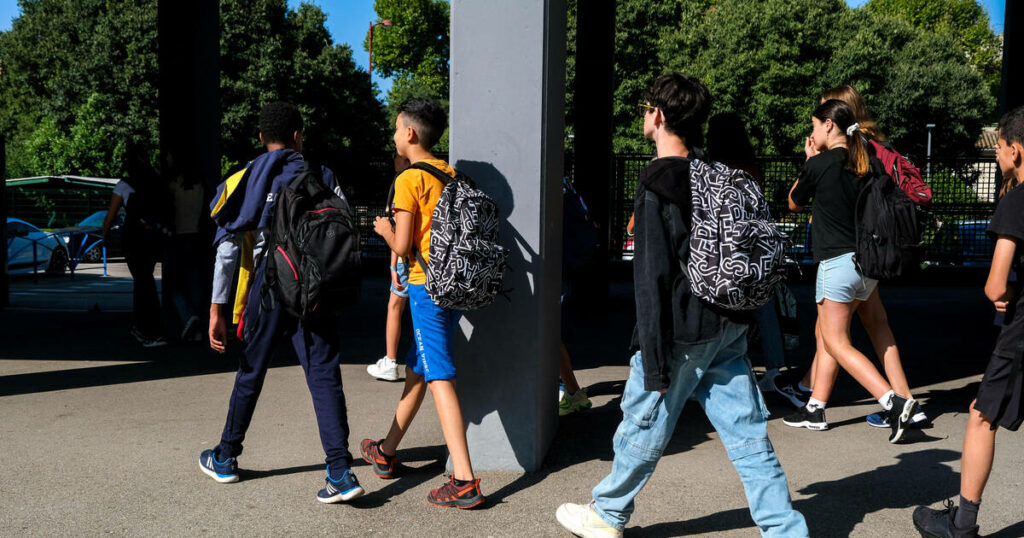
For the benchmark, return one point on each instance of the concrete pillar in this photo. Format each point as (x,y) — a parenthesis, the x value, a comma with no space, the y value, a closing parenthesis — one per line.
(592,144)
(1012,89)
(507,122)
(4,287)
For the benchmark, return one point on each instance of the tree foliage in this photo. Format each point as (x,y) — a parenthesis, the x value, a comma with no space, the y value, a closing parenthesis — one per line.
(965,21)
(78,80)
(413,52)
(770,60)
(269,53)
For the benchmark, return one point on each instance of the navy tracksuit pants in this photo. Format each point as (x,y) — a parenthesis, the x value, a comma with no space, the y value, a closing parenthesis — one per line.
(317,345)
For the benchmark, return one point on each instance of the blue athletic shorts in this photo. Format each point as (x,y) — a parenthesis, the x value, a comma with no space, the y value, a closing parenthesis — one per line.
(433,330)
(403,280)
(838,280)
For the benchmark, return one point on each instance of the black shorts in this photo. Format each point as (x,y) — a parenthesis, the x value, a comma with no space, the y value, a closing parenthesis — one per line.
(992,390)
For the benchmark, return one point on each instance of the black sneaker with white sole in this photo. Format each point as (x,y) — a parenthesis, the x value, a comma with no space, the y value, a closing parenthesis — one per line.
(900,413)
(805,418)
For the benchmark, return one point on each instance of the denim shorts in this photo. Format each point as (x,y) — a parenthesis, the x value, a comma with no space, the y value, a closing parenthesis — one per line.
(403,280)
(433,330)
(838,280)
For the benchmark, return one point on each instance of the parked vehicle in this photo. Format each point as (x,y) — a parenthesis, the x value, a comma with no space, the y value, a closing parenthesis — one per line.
(51,254)
(87,234)
(965,243)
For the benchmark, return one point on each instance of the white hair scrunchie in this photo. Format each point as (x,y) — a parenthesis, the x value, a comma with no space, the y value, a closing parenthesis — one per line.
(852,129)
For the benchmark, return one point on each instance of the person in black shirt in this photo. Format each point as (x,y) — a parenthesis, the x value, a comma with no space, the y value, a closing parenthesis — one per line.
(836,160)
(824,368)
(999,401)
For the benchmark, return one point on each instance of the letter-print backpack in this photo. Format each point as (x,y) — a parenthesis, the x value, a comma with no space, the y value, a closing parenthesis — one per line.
(467,263)
(736,252)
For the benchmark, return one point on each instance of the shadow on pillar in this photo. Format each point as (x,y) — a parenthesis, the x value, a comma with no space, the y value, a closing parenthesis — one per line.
(482,330)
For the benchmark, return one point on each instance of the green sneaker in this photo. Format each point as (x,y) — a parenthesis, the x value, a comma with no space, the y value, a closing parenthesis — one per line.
(571,403)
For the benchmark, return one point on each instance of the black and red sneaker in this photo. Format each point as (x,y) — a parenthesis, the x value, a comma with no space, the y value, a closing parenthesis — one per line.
(452,496)
(383,466)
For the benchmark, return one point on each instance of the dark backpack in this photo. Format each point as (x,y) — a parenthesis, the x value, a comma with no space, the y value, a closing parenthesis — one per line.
(887,227)
(737,253)
(466,261)
(906,175)
(313,259)
(579,233)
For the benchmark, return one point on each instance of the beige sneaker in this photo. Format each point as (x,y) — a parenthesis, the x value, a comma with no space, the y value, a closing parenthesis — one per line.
(581,520)
(570,403)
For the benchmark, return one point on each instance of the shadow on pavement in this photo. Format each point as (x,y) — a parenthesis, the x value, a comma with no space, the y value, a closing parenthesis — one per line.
(833,511)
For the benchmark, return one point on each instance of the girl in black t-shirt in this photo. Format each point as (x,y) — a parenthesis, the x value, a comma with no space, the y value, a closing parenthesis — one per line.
(871,311)
(836,160)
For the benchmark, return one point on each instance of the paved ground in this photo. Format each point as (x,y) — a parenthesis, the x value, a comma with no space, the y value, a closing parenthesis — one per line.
(101,437)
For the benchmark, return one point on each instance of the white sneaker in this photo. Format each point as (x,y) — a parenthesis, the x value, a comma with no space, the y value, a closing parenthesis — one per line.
(582,520)
(385,369)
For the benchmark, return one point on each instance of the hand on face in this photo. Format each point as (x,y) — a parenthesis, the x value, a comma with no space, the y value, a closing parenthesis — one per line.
(810,147)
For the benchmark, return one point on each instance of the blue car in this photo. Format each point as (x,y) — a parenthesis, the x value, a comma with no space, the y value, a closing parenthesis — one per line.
(51,254)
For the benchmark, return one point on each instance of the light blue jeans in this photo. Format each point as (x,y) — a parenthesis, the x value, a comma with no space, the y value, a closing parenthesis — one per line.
(717,374)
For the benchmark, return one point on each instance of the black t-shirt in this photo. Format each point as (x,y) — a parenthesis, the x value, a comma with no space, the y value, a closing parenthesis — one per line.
(1009,221)
(834,190)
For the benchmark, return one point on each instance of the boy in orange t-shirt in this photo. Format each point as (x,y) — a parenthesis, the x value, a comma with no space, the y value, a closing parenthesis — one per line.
(418,127)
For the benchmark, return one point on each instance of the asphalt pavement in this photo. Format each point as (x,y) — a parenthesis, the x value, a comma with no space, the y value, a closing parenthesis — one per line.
(100,436)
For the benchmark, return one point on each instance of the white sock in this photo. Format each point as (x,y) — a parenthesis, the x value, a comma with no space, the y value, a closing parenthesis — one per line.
(886,400)
(801,386)
(813,404)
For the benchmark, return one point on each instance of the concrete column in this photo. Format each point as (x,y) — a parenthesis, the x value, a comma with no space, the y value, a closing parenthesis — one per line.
(1012,89)
(4,287)
(507,122)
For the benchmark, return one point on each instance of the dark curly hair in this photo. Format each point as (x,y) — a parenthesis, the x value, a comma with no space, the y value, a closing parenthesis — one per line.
(427,117)
(1011,126)
(278,121)
(684,101)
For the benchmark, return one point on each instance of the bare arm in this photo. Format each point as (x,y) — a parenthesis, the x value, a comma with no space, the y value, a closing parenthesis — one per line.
(792,205)
(400,237)
(115,206)
(997,288)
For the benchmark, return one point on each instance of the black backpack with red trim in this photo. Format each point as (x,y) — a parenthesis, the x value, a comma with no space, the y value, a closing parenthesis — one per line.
(313,258)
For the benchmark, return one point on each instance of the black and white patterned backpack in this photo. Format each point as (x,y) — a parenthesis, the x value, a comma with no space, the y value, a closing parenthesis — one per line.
(736,252)
(466,261)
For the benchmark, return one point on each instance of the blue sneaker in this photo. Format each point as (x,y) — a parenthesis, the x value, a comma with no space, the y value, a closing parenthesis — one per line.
(343,489)
(224,472)
(881,419)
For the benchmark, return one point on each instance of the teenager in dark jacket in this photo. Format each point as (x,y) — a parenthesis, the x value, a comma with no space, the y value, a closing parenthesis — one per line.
(685,348)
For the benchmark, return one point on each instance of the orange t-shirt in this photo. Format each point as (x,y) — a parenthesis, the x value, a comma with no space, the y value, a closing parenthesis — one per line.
(417,191)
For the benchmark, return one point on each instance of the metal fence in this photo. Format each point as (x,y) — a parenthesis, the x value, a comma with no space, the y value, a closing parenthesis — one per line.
(964,194)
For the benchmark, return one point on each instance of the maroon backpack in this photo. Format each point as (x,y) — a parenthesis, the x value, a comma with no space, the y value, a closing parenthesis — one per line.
(906,175)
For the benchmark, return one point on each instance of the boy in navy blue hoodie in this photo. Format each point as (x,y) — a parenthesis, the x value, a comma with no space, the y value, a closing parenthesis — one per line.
(243,210)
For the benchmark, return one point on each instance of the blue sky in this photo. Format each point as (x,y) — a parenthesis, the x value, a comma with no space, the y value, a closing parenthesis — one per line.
(347,21)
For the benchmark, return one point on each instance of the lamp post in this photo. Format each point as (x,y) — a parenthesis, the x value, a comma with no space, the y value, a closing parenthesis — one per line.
(928,172)
(369,63)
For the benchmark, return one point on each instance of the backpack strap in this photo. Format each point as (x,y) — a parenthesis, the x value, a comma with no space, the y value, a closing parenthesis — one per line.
(432,170)
(443,178)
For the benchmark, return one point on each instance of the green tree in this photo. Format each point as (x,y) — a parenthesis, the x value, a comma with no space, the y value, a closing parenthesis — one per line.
(415,46)
(965,21)
(909,78)
(78,79)
(268,53)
